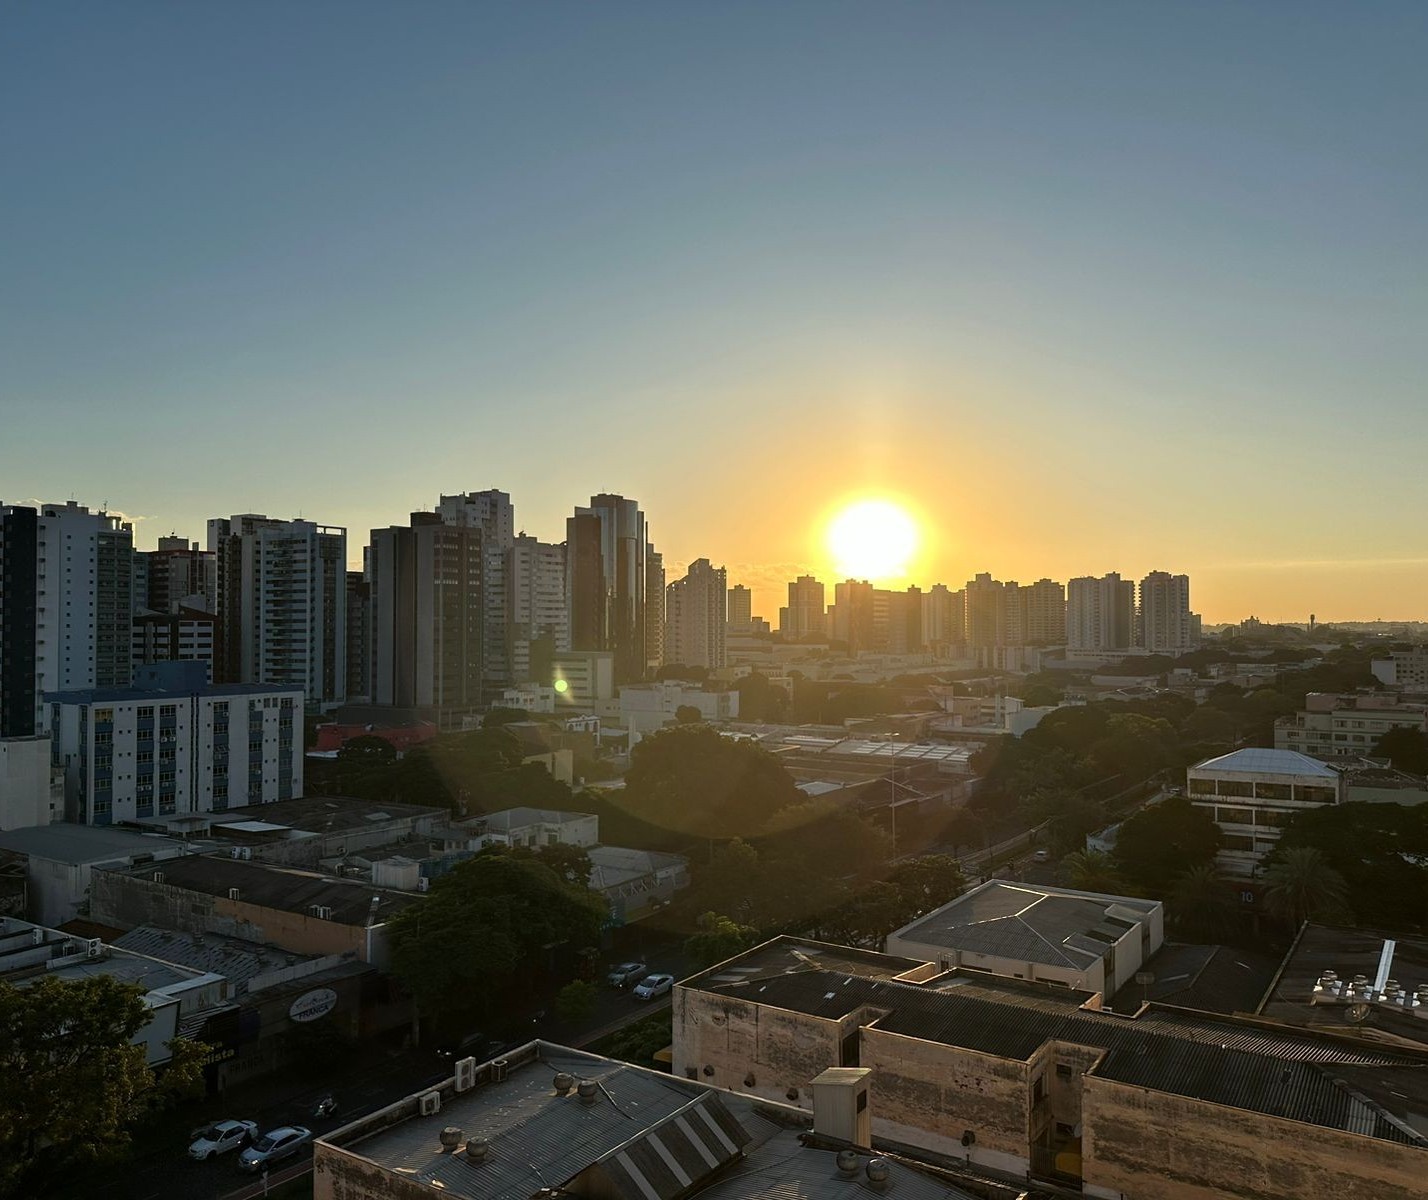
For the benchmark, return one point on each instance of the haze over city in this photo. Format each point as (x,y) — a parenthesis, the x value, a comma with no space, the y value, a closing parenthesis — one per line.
(1083,289)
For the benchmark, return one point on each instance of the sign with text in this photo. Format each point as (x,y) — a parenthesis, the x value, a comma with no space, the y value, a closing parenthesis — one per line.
(310,1006)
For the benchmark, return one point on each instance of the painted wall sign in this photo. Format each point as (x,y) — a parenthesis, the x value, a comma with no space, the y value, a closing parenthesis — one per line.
(314,1004)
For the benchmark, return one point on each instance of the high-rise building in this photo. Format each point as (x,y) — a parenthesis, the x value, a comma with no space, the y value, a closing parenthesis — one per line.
(654,610)
(1166,624)
(986,614)
(852,619)
(741,609)
(696,612)
(1043,613)
(282,605)
(359,635)
(183,635)
(607,577)
(944,618)
(428,609)
(1100,613)
(493,514)
(537,620)
(178,572)
(806,615)
(19,677)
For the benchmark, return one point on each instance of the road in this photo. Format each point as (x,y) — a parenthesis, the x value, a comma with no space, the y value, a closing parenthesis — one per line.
(367,1088)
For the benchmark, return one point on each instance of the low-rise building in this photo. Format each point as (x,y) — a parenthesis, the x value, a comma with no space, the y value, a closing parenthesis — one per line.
(1082,940)
(1333,726)
(1039,1082)
(172,744)
(301,911)
(644,708)
(1405,667)
(1251,794)
(535,827)
(546,1120)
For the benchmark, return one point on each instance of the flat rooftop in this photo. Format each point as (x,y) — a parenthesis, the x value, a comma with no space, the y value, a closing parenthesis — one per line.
(236,960)
(131,695)
(1229,1061)
(643,1135)
(789,955)
(78,845)
(283,888)
(323,814)
(514,818)
(1022,921)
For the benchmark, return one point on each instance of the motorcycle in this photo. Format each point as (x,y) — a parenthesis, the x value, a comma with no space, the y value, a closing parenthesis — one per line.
(325,1107)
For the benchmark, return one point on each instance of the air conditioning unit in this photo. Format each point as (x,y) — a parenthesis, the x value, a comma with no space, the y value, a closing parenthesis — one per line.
(94,947)
(245,851)
(465,1074)
(234,893)
(236,852)
(37,935)
(423,884)
(430,1104)
(158,877)
(321,911)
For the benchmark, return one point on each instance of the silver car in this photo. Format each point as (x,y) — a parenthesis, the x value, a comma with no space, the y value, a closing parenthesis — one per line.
(274,1146)
(653,985)
(221,1137)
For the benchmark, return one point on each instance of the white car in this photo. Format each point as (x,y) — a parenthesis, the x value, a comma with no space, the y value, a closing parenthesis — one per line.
(221,1137)
(653,985)
(626,974)
(274,1146)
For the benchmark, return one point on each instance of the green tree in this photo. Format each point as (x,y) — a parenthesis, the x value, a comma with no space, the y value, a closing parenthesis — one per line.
(73,1085)
(575,1002)
(1135,746)
(962,828)
(692,780)
(1301,886)
(1210,727)
(688,714)
(760,700)
(844,845)
(718,938)
(1092,871)
(1069,828)
(1161,842)
(1406,748)
(485,928)
(1200,905)
(926,882)
(571,863)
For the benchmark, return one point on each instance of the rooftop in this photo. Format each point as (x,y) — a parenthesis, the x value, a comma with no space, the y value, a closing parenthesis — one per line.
(132,695)
(1054,926)
(1229,1061)
(611,866)
(514,818)
(641,1135)
(1257,760)
(1222,979)
(281,888)
(236,960)
(81,844)
(324,814)
(789,955)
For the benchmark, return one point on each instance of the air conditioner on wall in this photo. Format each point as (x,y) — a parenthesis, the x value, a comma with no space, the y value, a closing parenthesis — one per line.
(430,1104)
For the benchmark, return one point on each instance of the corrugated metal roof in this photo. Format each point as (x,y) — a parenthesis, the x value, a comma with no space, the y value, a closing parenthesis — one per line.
(675,1155)
(1259,760)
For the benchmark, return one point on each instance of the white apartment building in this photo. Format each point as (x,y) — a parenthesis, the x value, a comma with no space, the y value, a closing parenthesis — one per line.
(696,617)
(1100,613)
(1333,726)
(1252,793)
(172,745)
(182,635)
(1406,668)
(536,612)
(282,605)
(493,514)
(644,708)
(1166,624)
(581,679)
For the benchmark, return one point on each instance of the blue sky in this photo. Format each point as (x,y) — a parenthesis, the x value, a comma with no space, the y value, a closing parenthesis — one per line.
(1089,286)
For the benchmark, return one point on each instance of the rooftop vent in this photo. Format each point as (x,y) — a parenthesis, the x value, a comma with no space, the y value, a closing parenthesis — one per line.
(878,1172)
(477,1148)
(586,1091)
(450,1138)
(563,1083)
(847,1163)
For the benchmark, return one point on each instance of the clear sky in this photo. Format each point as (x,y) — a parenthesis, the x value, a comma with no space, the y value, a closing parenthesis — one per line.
(1090,286)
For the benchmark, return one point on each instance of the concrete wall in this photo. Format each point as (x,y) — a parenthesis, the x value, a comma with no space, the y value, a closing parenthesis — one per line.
(1155,1146)
(1091,979)
(130,900)
(26,794)
(927,1094)
(782,1050)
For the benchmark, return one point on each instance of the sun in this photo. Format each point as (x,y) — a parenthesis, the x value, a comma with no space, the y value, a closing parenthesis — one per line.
(872,539)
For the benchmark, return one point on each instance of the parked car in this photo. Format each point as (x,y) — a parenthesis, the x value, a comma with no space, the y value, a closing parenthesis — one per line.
(221,1137)
(274,1146)
(653,985)
(626,974)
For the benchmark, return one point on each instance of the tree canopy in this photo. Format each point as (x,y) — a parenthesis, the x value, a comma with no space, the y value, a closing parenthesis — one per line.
(692,780)
(1406,748)
(73,1085)
(485,928)
(1162,842)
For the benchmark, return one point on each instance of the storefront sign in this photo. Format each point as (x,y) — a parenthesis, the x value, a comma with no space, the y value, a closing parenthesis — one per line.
(312,1005)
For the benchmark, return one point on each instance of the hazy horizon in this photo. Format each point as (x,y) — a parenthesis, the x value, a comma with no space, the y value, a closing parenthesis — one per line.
(1091,288)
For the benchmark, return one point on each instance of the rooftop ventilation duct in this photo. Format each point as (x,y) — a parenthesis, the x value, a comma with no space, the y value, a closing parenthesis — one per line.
(586,1091)
(477,1148)
(450,1138)
(878,1172)
(847,1163)
(563,1083)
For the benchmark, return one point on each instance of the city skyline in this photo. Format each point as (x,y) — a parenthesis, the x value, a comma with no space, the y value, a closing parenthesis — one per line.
(1089,290)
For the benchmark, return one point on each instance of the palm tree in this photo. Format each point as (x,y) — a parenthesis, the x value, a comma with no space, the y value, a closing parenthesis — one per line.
(1092,871)
(1302,886)
(1200,903)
